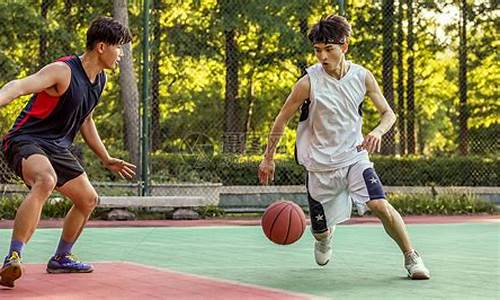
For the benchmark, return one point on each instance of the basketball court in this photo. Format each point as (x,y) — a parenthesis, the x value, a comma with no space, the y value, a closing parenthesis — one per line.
(213,260)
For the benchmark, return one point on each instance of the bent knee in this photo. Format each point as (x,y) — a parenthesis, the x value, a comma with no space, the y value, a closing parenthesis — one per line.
(44,183)
(88,204)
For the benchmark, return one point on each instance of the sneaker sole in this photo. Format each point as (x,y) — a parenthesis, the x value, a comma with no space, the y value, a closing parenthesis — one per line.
(322,265)
(11,274)
(63,271)
(419,276)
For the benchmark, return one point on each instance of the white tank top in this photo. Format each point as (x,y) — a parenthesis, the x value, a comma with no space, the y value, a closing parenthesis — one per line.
(328,137)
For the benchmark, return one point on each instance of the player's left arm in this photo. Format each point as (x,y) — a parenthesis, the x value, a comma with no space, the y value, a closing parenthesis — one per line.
(93,140)
(373,140)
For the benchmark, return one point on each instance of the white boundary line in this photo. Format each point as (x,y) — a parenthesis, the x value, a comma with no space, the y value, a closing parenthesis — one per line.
(227,281)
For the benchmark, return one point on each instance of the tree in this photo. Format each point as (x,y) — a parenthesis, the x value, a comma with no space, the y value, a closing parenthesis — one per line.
(129,91)
(156,12)
(400,80)
(462,82)
(388,142)
(44,9)
(410,83)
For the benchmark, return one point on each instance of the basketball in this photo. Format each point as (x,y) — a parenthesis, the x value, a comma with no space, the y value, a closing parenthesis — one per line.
(283,222)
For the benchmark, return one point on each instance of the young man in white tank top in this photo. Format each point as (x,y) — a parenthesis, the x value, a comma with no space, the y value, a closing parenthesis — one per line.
(331,147)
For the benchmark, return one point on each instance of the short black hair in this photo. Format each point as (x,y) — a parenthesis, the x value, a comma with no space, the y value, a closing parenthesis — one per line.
(330,30)
(107,30)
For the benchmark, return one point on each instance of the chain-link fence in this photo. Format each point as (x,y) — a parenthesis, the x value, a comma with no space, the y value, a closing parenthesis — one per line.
(219,71)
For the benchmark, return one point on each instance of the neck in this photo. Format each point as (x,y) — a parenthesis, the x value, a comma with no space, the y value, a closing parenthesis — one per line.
(91,65)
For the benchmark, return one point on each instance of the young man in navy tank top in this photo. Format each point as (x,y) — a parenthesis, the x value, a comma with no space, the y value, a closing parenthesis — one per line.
(65,94)
(331,146)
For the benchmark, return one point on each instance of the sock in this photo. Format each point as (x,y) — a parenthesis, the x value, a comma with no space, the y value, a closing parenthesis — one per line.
(17,246)
(64,248)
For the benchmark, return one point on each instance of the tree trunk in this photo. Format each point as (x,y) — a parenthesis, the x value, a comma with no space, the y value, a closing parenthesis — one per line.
(401,88)
(388,141)
(250,99)
(42,46)
(302,63)
(129,90)
(156,137)
(462,81)
(410,84)
(233,138)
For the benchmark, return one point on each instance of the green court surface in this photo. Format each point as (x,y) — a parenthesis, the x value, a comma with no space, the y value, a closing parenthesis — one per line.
(464,259)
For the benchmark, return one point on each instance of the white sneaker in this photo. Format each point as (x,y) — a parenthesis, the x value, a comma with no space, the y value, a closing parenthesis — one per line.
(415,266)
(323,249)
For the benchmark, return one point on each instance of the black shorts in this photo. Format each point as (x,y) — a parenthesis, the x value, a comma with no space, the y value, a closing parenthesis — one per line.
(63,161)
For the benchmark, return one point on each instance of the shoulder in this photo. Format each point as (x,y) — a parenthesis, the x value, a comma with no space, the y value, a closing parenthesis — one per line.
(313,69)
(359,68)
(58,72)
(57,66)
(303,84)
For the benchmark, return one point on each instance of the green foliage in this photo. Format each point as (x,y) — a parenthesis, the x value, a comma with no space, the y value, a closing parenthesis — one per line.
(440,171)
(55,207)
(190,51)
(407,204)
(8,206)
(210,211)
(442,204)
(409,171)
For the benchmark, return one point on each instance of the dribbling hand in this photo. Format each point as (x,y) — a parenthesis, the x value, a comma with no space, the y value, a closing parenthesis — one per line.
(266,171)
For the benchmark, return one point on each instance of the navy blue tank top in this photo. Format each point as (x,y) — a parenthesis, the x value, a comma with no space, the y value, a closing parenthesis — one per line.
(53,122)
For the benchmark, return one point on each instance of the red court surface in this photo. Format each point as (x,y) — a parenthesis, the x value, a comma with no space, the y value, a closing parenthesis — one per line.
(7,224)
(131,281)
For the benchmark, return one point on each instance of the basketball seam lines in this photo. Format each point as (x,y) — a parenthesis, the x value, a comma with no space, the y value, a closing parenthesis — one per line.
(289,223)
(274,221)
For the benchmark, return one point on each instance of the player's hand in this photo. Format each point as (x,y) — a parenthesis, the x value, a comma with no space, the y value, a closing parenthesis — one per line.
(372,142)
(266,171)
(121,167)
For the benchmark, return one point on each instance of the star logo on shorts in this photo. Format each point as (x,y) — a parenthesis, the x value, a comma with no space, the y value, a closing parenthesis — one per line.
(319,218)
(373,180)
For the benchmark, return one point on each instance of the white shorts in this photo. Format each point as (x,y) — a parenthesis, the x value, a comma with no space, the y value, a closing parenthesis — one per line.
(331,193)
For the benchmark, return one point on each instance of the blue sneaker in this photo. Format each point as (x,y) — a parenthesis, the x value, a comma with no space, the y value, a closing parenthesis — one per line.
(68,263)
(11,270)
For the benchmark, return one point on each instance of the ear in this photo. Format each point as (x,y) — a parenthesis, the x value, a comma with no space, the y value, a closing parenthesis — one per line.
(345,47)
(100,47)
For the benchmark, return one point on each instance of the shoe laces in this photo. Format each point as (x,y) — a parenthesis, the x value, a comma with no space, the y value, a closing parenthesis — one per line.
(324,245)
(70,256)
(14,256)
(411,258)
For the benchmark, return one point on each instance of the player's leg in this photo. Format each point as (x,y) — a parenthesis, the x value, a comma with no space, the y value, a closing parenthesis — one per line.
(328,206)
(392,221)
(37,172)
(84,198)
(366,188)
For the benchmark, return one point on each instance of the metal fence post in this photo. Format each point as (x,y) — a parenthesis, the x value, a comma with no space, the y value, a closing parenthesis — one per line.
(145,104)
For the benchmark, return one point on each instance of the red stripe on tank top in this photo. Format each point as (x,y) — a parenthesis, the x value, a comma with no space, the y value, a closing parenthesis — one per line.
(43,105)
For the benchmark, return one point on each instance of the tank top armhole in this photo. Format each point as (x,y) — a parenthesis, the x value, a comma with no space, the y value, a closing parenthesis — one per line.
(68,89)
(364,73)
(312,74)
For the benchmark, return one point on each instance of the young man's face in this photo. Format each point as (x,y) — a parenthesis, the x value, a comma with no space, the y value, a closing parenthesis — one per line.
(329,55)
(110,55)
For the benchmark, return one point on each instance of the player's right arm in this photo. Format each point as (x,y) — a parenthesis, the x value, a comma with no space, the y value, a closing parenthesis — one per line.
(299,94)
(53,78)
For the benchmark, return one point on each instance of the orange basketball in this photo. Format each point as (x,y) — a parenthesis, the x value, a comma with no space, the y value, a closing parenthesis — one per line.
(283,222)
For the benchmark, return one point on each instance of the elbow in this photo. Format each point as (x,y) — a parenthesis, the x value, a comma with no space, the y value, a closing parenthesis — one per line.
(393,117)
